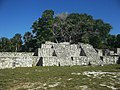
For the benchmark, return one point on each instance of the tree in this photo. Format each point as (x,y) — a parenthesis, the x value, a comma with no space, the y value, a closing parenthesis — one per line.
(17,42)
(118,41)
(111,41)
(29,44)
(42,28)
(96,41)
(103,29)
(59,27)
(71,28)
(4,44)
(85,38)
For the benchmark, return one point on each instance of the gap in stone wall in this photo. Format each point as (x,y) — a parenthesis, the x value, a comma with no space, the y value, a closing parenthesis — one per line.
(54,53)
(40,62)
(82,53)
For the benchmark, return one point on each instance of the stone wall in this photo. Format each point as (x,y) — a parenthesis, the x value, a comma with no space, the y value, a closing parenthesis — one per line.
(110,60)
(65,54)
(17,59)
(60,54)
(71,61)
(17,54)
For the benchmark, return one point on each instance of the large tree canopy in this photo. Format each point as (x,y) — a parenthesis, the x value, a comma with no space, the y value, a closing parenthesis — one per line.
(71,28)
(64,27)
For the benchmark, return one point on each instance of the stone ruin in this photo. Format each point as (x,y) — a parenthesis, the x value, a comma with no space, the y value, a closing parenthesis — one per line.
(66,54)
(60,54)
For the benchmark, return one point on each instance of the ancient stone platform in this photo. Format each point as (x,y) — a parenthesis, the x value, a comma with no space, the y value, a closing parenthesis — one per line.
(60,54)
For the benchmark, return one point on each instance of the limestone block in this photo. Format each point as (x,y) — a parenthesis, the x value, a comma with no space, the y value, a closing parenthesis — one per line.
(13,54)
(46,46)
(65,43)
(45,52)
(50,61)
(48,42)
(74,50)
(110,59)
(83,60)
(100,52)
(35,60)
(111,52)
(118,51)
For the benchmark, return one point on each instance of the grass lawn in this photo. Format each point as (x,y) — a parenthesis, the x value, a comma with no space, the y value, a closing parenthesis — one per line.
(61,78)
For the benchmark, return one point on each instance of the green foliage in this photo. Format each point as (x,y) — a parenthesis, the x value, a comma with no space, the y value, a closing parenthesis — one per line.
(73,28)
(42,28)
(13,44)
(113,41)
(5,44)
(16,42)
(118,41)
(96,41)
(29,43)
(85,38)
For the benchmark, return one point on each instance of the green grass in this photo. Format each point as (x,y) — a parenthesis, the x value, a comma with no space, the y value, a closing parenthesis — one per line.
(59,78)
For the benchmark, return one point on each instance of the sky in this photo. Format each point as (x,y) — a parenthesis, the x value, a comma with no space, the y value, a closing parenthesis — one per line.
(17,16)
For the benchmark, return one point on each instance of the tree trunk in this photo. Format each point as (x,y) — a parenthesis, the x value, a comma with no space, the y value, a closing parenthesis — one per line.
(54,35)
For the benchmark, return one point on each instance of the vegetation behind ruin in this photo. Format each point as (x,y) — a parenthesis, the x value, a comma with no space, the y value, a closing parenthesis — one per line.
(73,28)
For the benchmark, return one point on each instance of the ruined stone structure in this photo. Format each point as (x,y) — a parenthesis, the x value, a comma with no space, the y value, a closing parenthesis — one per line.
(64,54)
(60,54)
(16,59)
